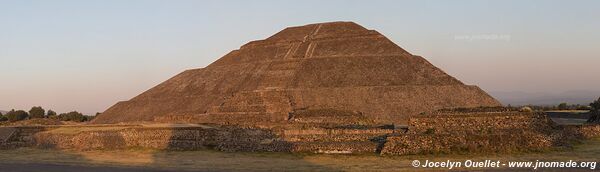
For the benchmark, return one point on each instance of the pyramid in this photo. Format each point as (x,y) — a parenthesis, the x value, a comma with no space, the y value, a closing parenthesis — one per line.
(336,65)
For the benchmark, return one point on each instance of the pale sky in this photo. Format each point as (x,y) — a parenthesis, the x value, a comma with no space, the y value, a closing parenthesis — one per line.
(86,55)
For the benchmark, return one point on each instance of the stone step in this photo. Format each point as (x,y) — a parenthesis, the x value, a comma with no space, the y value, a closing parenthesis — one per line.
(334,135)
(276,80)
(225,117)
(239,108)
(261,108)
(279,73)
(249,100)
(13,145)
(256,98)
(375,131)
(284,65)
(255,101)
(351,147)
(332,138)
(237,113)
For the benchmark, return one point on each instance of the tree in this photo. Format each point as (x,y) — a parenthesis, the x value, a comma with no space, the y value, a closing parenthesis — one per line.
(89,118)
(2,117)
(13,115)
(51,113)
(595,111)
(72,116)
(596,105)
(37,112)
(563,106)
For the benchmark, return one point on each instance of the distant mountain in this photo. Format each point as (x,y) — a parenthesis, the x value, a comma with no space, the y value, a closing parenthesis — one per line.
(544,98)
(3,112)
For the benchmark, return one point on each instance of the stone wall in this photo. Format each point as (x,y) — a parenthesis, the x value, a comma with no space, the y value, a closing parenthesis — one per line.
(6,133)
(320,140)
(444,123)
(307,117)
(239,119)
(223,138)
(447,131)
(460,143)
(170,138)
(442,132)
(583,131)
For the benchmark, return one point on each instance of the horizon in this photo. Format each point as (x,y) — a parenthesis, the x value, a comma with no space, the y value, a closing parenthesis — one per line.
(87,56)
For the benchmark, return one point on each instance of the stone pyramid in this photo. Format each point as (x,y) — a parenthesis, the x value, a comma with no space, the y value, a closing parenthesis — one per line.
(337,65)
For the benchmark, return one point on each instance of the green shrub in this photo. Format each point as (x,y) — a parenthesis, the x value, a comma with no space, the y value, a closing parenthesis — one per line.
(563,106)
(51,113)
(37,112)
(13,115)
(72,116)
(596,105)
(595,111)
(89,118)
(2,117)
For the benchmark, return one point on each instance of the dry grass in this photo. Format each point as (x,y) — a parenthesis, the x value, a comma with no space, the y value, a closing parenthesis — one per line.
(33,122)
(570,111)
(77,130)
(213,160)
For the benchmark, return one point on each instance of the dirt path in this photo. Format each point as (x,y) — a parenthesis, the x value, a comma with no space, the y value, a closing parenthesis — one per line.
(30,167)
(28,159)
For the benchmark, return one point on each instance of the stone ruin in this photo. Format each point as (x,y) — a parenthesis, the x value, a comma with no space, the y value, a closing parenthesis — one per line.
(437,132)
(320,88)
(328,66)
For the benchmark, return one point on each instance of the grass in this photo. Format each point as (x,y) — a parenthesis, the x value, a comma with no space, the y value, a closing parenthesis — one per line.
(588,150)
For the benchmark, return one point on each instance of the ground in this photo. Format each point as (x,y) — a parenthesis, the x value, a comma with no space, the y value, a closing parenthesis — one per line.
(30,159)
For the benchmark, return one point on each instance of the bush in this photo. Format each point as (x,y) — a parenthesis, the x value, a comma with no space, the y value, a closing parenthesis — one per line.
(37,112)
(2,117)
(51,113)
(595,111)
(13,115)
(595,105)
(563,106)
(72,116)
(89,118)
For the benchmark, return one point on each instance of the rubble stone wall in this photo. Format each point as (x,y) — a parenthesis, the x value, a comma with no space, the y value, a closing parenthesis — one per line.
(444,123)
(473,143)
(223,138)
(583,131)
(446,132)
(172,138)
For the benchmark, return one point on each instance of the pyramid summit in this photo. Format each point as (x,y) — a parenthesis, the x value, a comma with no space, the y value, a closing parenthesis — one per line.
(325,67)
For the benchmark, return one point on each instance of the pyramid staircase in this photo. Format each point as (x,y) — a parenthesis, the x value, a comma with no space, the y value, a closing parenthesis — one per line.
(260,106)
